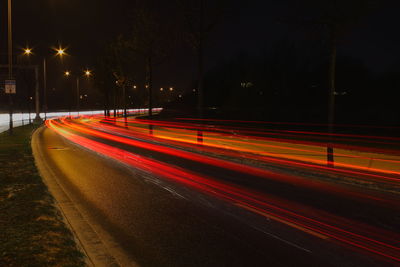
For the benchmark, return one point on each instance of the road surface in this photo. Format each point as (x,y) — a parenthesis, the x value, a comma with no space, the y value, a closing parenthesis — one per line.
(231,200)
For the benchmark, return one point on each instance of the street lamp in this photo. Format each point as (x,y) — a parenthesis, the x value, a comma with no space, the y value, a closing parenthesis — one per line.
(67,74)
(10,63)
(87,73)
(27,51)
(60,52)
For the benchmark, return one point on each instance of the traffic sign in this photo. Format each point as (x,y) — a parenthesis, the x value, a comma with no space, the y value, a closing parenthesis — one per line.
(10,87)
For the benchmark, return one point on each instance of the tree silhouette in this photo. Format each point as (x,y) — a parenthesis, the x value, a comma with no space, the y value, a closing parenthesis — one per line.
(200,18)
(151,38)
(337,17)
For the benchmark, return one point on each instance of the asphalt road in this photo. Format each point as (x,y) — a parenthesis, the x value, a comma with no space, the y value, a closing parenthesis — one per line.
(231,218)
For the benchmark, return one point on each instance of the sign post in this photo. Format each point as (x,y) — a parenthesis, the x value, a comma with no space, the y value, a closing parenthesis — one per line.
(10,88)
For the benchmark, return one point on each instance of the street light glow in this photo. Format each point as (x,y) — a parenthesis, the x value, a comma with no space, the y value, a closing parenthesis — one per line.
(67,73)
(88,73)
(27,51)
(60,52)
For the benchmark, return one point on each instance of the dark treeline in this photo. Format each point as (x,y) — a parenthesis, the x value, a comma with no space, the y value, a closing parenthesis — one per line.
(174,55)
(283,86)
(156,35)
(290,80)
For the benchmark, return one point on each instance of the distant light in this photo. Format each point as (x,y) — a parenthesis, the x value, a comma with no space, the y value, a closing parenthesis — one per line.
(246,84)
(30,97)
(171,89)
(194,90)
(180,95)
(27,51)
(147,86)
(60,52)
(88,73)
(339,93)
(67,73)
(134,87)
(161,89)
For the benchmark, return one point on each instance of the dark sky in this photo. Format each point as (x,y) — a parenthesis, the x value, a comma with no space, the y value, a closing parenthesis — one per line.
(86,25)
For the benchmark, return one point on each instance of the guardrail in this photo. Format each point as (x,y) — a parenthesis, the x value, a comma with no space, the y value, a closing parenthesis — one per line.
(20,119)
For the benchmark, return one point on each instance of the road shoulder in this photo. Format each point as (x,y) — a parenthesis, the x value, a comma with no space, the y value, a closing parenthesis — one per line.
(97,252)
(32,230)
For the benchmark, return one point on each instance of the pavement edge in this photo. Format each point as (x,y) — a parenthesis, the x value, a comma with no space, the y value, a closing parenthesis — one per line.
(87,239)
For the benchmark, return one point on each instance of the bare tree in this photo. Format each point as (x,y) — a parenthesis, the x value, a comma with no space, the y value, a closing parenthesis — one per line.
(201,17)
(151,39)
(104,79)
(337,17)
(120,70)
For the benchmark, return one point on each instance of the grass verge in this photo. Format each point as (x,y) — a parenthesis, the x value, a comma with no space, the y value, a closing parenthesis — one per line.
(32,231)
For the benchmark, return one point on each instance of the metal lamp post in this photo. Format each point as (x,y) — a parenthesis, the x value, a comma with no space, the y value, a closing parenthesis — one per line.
(88,74)
(60,52)
(10,63)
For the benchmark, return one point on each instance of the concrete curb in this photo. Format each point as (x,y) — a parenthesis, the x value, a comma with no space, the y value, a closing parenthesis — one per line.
(88,240)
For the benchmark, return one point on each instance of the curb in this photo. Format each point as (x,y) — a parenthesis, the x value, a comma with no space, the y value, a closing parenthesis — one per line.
(87,239)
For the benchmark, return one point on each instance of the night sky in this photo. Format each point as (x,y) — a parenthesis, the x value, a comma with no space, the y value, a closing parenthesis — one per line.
(86,26)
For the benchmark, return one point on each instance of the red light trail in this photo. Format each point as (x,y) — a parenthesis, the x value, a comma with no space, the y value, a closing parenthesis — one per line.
(177,140)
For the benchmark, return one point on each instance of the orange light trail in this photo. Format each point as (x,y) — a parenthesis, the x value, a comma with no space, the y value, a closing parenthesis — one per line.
(202,158)
(237,145)
(365,238)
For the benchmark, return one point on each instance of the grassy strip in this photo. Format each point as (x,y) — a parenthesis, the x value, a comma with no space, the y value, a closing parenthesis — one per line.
(32,231)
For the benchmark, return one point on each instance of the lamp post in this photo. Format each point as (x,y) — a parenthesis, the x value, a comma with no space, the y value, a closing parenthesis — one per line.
(87,73)
(10,57)
(28,52)
(60,52)
(67,74)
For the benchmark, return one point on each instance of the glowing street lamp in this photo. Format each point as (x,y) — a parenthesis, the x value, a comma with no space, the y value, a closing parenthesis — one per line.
(10,63)
(87,73)
(60,52)
(67,74)
(27,51)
